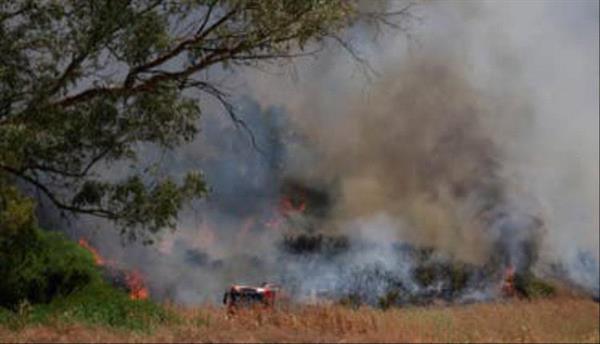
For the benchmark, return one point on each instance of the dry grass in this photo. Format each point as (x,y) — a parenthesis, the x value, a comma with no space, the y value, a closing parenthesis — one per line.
(560,319)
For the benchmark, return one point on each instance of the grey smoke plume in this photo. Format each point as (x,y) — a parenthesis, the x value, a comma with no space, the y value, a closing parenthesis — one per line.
(479,139)
(515,85)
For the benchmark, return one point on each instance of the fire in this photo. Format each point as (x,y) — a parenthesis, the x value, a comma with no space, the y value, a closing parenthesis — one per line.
(288,205)
(137,288)
(508,284)
(133,279)
(97,257)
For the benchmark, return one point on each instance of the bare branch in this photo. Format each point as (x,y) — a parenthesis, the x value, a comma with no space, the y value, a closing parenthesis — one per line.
(70,174)
(222,98)
(362,62)
(206,17)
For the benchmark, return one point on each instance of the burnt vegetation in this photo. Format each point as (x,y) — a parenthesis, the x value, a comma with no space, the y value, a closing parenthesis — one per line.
(315,244)
(315,201)
(432,276)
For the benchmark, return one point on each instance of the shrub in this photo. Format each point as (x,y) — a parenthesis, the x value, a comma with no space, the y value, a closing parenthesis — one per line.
(532,287)
(316,244)
(353,301)
(38,266)
(96,304)
(45,277)
(102,304)
(389,299)
(459,277)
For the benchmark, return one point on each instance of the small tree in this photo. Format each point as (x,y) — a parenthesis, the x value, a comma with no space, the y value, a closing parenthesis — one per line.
(84,83)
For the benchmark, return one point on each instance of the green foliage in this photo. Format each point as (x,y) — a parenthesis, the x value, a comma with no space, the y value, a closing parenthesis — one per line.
(16,211)
(389,299)
(101,304)
(6,316)
(458,276)
(45,277)
(96,304)
(425,275)
(38,266)
(84,84)
(428,270)
(533,287)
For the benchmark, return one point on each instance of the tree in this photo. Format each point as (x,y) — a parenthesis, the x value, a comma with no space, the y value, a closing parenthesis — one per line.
(84,83)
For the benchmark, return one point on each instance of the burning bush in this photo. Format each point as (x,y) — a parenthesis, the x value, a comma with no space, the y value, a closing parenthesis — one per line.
(433,279)
(57,279)
(298,196)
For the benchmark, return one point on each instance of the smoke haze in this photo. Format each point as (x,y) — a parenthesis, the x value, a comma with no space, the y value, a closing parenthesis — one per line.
(478,138)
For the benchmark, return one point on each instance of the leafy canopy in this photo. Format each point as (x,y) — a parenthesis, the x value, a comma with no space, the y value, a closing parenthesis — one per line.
(83,84)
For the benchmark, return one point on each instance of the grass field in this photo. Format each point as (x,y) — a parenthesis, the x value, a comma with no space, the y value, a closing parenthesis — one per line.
(558,319)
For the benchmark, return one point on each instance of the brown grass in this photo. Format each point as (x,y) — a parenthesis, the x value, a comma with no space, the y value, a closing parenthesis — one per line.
(560,319)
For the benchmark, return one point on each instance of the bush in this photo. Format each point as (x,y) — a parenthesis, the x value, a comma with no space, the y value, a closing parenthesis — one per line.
(390,299)
(316,244)
(45,277)
(38,266)
(533,287)
(353,301)
(459,277)
(102,304)
(96,304)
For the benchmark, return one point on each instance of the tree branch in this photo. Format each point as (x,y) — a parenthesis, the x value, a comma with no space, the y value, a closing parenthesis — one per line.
(181,47)
(221,97)
(71,174)
(73,65)
(100,212)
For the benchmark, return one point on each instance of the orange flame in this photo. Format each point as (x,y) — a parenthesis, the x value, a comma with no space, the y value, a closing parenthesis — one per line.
(508,283)
(133,279)
(287,205)
(135,283)
(97,257)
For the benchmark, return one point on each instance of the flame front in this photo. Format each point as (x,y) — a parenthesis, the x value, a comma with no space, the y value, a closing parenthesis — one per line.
(97,257)
(508,283)
(133,279)
(137,288)
(287,205)
(292,205)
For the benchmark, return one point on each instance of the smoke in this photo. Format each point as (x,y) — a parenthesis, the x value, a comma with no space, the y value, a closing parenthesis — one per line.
(492,109)
(474,149)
